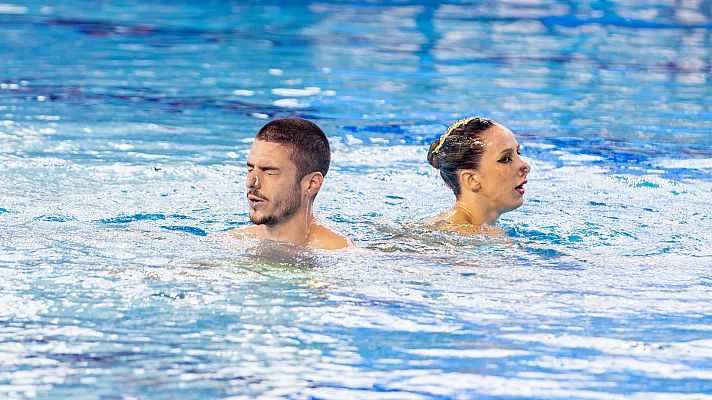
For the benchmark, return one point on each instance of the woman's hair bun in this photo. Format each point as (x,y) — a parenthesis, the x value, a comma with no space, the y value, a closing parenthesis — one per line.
(433,158)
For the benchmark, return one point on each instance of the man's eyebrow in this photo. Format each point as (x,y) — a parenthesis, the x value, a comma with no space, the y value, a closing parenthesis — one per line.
(263,167)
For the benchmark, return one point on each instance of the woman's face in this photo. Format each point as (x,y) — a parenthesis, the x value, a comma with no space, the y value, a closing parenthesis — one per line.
(502,172)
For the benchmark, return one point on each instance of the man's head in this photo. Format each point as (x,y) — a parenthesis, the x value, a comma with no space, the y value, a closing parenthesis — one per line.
(286,166)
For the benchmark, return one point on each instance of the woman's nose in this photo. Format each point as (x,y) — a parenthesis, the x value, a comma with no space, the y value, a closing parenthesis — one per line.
(525,168)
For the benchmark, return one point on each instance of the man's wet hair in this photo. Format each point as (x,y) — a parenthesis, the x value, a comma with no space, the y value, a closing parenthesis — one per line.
(460,147)
(308,146)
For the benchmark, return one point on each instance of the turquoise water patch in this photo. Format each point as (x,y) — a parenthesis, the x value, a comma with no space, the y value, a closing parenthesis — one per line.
(187,229)
(53,218)
(125,219)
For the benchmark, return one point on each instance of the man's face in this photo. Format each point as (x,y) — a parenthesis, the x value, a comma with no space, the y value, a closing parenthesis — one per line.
(274,192)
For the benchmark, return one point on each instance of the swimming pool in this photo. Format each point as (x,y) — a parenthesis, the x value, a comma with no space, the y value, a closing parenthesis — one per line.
(123,133)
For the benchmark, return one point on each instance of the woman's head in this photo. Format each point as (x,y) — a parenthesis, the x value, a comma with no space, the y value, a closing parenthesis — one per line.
(480,156)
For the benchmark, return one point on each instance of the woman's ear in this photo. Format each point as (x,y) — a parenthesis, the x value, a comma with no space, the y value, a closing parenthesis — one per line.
(469,179)
(311,183)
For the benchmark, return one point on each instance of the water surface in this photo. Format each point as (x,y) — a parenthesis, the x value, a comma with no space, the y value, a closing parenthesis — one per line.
(124,128)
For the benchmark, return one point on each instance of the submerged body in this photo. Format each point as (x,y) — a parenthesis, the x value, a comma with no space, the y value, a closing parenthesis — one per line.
(318,236)
(458,219)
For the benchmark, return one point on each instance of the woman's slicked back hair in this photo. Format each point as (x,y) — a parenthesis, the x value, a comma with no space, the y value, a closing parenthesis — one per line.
(460,147)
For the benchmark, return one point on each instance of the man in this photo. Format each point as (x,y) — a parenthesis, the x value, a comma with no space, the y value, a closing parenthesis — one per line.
(285,170)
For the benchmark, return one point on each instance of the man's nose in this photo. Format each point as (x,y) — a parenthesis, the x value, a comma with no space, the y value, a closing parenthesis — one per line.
(252,182)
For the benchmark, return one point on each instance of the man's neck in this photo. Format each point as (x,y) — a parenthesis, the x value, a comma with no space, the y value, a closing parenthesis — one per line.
(295,230)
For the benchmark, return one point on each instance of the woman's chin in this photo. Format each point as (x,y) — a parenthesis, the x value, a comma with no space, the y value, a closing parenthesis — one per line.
(516,204)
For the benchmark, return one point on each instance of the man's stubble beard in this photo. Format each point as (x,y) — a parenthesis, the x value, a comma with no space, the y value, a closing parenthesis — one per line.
(284,209)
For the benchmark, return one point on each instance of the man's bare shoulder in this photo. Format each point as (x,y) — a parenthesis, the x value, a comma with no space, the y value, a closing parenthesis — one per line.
(250,231)
(324,238)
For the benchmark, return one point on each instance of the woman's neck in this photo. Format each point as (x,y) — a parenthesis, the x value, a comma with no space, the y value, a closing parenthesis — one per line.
(475,212)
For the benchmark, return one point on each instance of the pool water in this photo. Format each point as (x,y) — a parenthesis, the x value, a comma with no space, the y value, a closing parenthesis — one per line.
(124,128)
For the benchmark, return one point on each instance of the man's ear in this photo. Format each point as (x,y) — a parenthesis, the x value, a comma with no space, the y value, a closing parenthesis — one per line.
(469,179)
(311,183)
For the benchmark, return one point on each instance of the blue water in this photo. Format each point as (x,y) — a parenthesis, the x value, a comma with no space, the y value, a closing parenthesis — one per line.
(124,128)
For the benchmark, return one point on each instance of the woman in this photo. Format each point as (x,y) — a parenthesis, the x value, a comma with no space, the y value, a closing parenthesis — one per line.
(480,161)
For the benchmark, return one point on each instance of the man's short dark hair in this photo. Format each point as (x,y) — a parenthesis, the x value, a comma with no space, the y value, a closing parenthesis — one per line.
(308,147)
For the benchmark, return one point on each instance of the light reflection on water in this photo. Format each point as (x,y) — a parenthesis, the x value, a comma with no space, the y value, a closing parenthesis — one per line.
(123,133)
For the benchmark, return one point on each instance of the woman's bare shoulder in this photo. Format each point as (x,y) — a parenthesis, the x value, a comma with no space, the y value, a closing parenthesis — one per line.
(456,222)
(449,217)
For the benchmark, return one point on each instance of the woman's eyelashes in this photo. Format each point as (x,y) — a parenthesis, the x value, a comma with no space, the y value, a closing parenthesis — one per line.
(507,158)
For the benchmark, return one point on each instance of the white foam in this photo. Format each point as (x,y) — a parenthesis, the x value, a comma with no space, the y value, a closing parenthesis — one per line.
(12,9)
(353,140)
(308,91)
(608,365)
(579,157)
(495,385)
(243,92)
(122,146)
(689,163)
(669,396)
(13,306)
(467,353)
(359,317)
(289,103)
(697,348)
